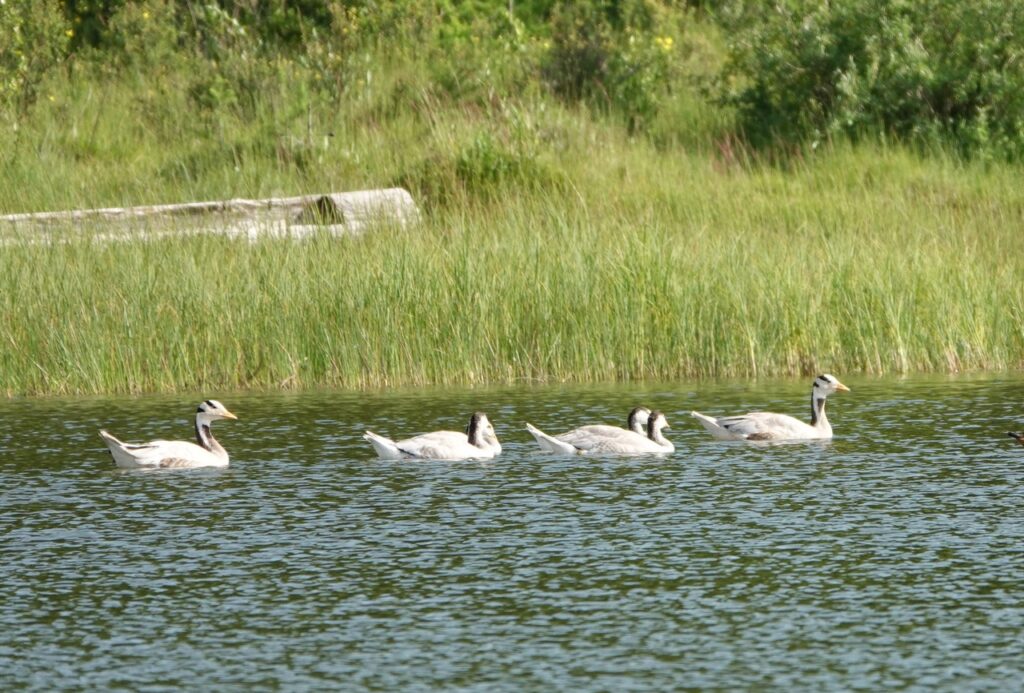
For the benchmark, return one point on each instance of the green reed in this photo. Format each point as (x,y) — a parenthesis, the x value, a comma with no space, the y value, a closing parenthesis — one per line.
(554,245)
(647,266)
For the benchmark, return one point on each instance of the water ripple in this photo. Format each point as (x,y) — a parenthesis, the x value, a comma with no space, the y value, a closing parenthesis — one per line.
(890,557)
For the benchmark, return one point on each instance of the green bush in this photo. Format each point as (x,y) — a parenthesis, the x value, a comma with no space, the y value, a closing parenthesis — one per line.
(937,70)
(485,168)
(147,36)
(91,20)
(33,40)
(610,56)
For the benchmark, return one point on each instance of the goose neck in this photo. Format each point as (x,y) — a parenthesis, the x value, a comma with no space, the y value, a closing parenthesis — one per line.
(818,419)
(655,435)
(204,436)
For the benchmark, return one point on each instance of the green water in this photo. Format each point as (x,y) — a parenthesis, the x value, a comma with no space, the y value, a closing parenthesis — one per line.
(888,558)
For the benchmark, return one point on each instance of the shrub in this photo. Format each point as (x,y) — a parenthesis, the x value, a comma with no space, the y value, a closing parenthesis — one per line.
(923,71)
(33,40)
(607,55)
(145,35)
(484,168)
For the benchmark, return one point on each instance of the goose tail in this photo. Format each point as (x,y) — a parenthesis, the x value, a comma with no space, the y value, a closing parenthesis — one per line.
(385,447)
(110,440)
(119,451)
(712,426)
(549,443)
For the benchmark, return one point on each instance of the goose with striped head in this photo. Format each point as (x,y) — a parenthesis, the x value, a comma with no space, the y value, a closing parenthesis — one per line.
(624,443)
(479,442)
(175,454)
(584,437)
(762,425)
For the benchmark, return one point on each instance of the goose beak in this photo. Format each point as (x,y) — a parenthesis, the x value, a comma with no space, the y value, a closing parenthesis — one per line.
(842,388)
(228,415)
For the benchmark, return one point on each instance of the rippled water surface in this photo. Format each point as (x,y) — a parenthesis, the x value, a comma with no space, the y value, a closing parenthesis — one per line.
(890,557)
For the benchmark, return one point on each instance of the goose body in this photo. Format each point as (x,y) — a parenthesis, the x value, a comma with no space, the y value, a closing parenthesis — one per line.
(585,437)
(622,442)
(762,425)
(175,454)
(478,442)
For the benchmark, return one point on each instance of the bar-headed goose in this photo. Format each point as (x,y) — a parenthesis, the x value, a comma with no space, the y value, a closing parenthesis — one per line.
(175,454)
(625,443)
(1019,437)
(762,425)
(584,437)
(478,442)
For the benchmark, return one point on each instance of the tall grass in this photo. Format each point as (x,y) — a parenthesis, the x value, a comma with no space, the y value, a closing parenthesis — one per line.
(869,260)
(556,243)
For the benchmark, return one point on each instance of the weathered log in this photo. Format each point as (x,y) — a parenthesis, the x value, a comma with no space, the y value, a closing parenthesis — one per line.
(335,212)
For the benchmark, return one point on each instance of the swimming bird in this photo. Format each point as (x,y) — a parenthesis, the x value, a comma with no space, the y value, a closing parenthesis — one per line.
(761,425)
(478,442)
(1019,437)
(175,454)
(584,437)
(625,443)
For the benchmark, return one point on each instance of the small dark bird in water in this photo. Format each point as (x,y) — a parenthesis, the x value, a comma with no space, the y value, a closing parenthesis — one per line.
(1018,436)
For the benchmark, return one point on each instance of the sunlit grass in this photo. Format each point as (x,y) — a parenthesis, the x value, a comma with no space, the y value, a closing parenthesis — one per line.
(867,260)
(554,245)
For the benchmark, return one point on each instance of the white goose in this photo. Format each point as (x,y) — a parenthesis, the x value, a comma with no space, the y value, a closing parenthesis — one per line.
(762,425)
(175,454)
(624,443)
(584,437)
(477,443)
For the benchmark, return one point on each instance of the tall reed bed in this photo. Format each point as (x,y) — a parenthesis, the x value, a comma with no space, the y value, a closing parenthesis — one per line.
(646,266)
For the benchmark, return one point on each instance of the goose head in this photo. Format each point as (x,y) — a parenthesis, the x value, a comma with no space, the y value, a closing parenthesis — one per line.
(638,419)
(480,432)
(211,410)
(655,424)
(825,385)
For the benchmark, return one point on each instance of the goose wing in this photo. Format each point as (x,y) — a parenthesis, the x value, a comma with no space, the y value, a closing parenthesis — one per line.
(442,445)
(596,440)
(763,425)
(157,454)
(585,436)
(629,443)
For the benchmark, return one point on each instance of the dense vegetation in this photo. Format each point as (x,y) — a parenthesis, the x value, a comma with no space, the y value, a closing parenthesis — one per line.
(611,190)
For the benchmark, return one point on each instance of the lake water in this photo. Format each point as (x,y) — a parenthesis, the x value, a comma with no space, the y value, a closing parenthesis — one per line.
(892,556)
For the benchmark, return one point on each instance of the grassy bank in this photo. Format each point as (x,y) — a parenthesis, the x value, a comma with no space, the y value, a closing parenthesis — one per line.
(558,242)
(652,267)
